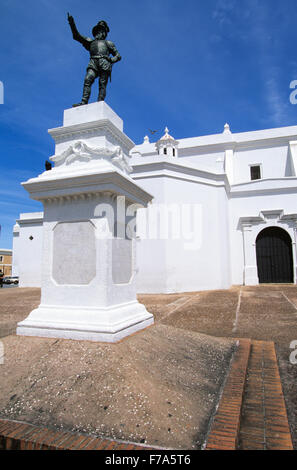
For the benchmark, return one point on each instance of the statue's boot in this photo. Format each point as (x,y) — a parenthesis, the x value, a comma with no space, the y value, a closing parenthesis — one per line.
(101,97)
(78,104)
(86,94)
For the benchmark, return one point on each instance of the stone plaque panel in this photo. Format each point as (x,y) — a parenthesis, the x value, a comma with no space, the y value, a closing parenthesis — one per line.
(121,261)
(74,253)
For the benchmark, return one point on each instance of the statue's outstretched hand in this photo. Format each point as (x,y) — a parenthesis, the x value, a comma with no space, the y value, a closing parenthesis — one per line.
(70,19)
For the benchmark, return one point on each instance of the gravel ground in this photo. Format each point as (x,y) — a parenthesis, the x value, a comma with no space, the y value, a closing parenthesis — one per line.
(159,386)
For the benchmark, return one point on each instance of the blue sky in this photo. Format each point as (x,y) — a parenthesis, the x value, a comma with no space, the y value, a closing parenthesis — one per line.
(191,65)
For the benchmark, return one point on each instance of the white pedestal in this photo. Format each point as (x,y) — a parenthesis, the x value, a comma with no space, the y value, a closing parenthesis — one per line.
(88,262)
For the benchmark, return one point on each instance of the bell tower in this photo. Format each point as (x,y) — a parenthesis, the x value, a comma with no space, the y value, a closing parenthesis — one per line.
(167,145)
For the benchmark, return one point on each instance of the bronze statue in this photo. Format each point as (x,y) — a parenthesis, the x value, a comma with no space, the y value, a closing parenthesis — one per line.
(101,62)
(48,165)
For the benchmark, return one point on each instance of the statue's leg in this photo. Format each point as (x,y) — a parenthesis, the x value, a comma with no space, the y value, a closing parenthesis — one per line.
(103,79)
(89,80)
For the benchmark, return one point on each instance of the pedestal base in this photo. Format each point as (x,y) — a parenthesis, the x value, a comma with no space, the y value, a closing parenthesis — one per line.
(92,324)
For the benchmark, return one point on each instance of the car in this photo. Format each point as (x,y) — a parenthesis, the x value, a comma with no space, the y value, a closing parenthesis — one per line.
(10,280)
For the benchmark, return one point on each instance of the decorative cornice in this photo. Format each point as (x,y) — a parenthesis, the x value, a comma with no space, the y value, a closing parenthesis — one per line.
(162,168)
(59,133)
(74,198)
(85,186)
(200,145)
(32,221)
(264,186)
(264,216)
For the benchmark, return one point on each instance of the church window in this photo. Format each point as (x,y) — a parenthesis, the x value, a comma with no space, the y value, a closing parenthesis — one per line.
(255,172)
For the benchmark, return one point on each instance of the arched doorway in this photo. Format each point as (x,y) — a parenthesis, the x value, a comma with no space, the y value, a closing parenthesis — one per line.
(274,256)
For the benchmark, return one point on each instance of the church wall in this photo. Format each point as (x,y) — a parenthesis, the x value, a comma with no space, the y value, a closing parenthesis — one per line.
(208,162)
(195,254)
(151,251)
(28,256)
(273,161)
(202,263)
(15,250)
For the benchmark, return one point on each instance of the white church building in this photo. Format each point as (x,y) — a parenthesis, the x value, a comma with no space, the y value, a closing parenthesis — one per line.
(224,212)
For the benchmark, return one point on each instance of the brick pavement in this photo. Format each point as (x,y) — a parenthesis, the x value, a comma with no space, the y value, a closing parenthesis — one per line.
(264,422)
(23,436)
(251,414)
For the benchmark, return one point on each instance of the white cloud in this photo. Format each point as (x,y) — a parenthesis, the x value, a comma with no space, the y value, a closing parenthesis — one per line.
(278,102)
(223,10)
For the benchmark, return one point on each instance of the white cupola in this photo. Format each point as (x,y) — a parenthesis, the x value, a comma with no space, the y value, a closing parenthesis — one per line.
(227,129)
(167,145)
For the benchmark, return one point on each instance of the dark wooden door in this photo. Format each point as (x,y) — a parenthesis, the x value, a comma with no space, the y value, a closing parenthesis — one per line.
(274,256)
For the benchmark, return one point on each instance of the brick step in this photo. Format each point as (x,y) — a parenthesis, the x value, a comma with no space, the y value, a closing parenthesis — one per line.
(16,435)
(251,414)
(224,430)
(264,422)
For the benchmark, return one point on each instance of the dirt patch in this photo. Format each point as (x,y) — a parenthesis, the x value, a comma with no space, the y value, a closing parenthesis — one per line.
(206,313)
(161,305)
(15,305)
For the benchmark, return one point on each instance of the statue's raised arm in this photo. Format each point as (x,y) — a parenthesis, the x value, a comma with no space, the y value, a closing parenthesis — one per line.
(76,35)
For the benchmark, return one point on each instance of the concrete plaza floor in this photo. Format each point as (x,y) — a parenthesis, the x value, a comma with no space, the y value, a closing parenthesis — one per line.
(158,386)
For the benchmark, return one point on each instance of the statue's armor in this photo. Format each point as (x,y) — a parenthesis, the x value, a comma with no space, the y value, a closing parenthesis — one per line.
(99,54)
(99,47)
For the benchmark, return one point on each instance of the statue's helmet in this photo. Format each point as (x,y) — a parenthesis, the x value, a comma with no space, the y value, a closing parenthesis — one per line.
(101,25)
